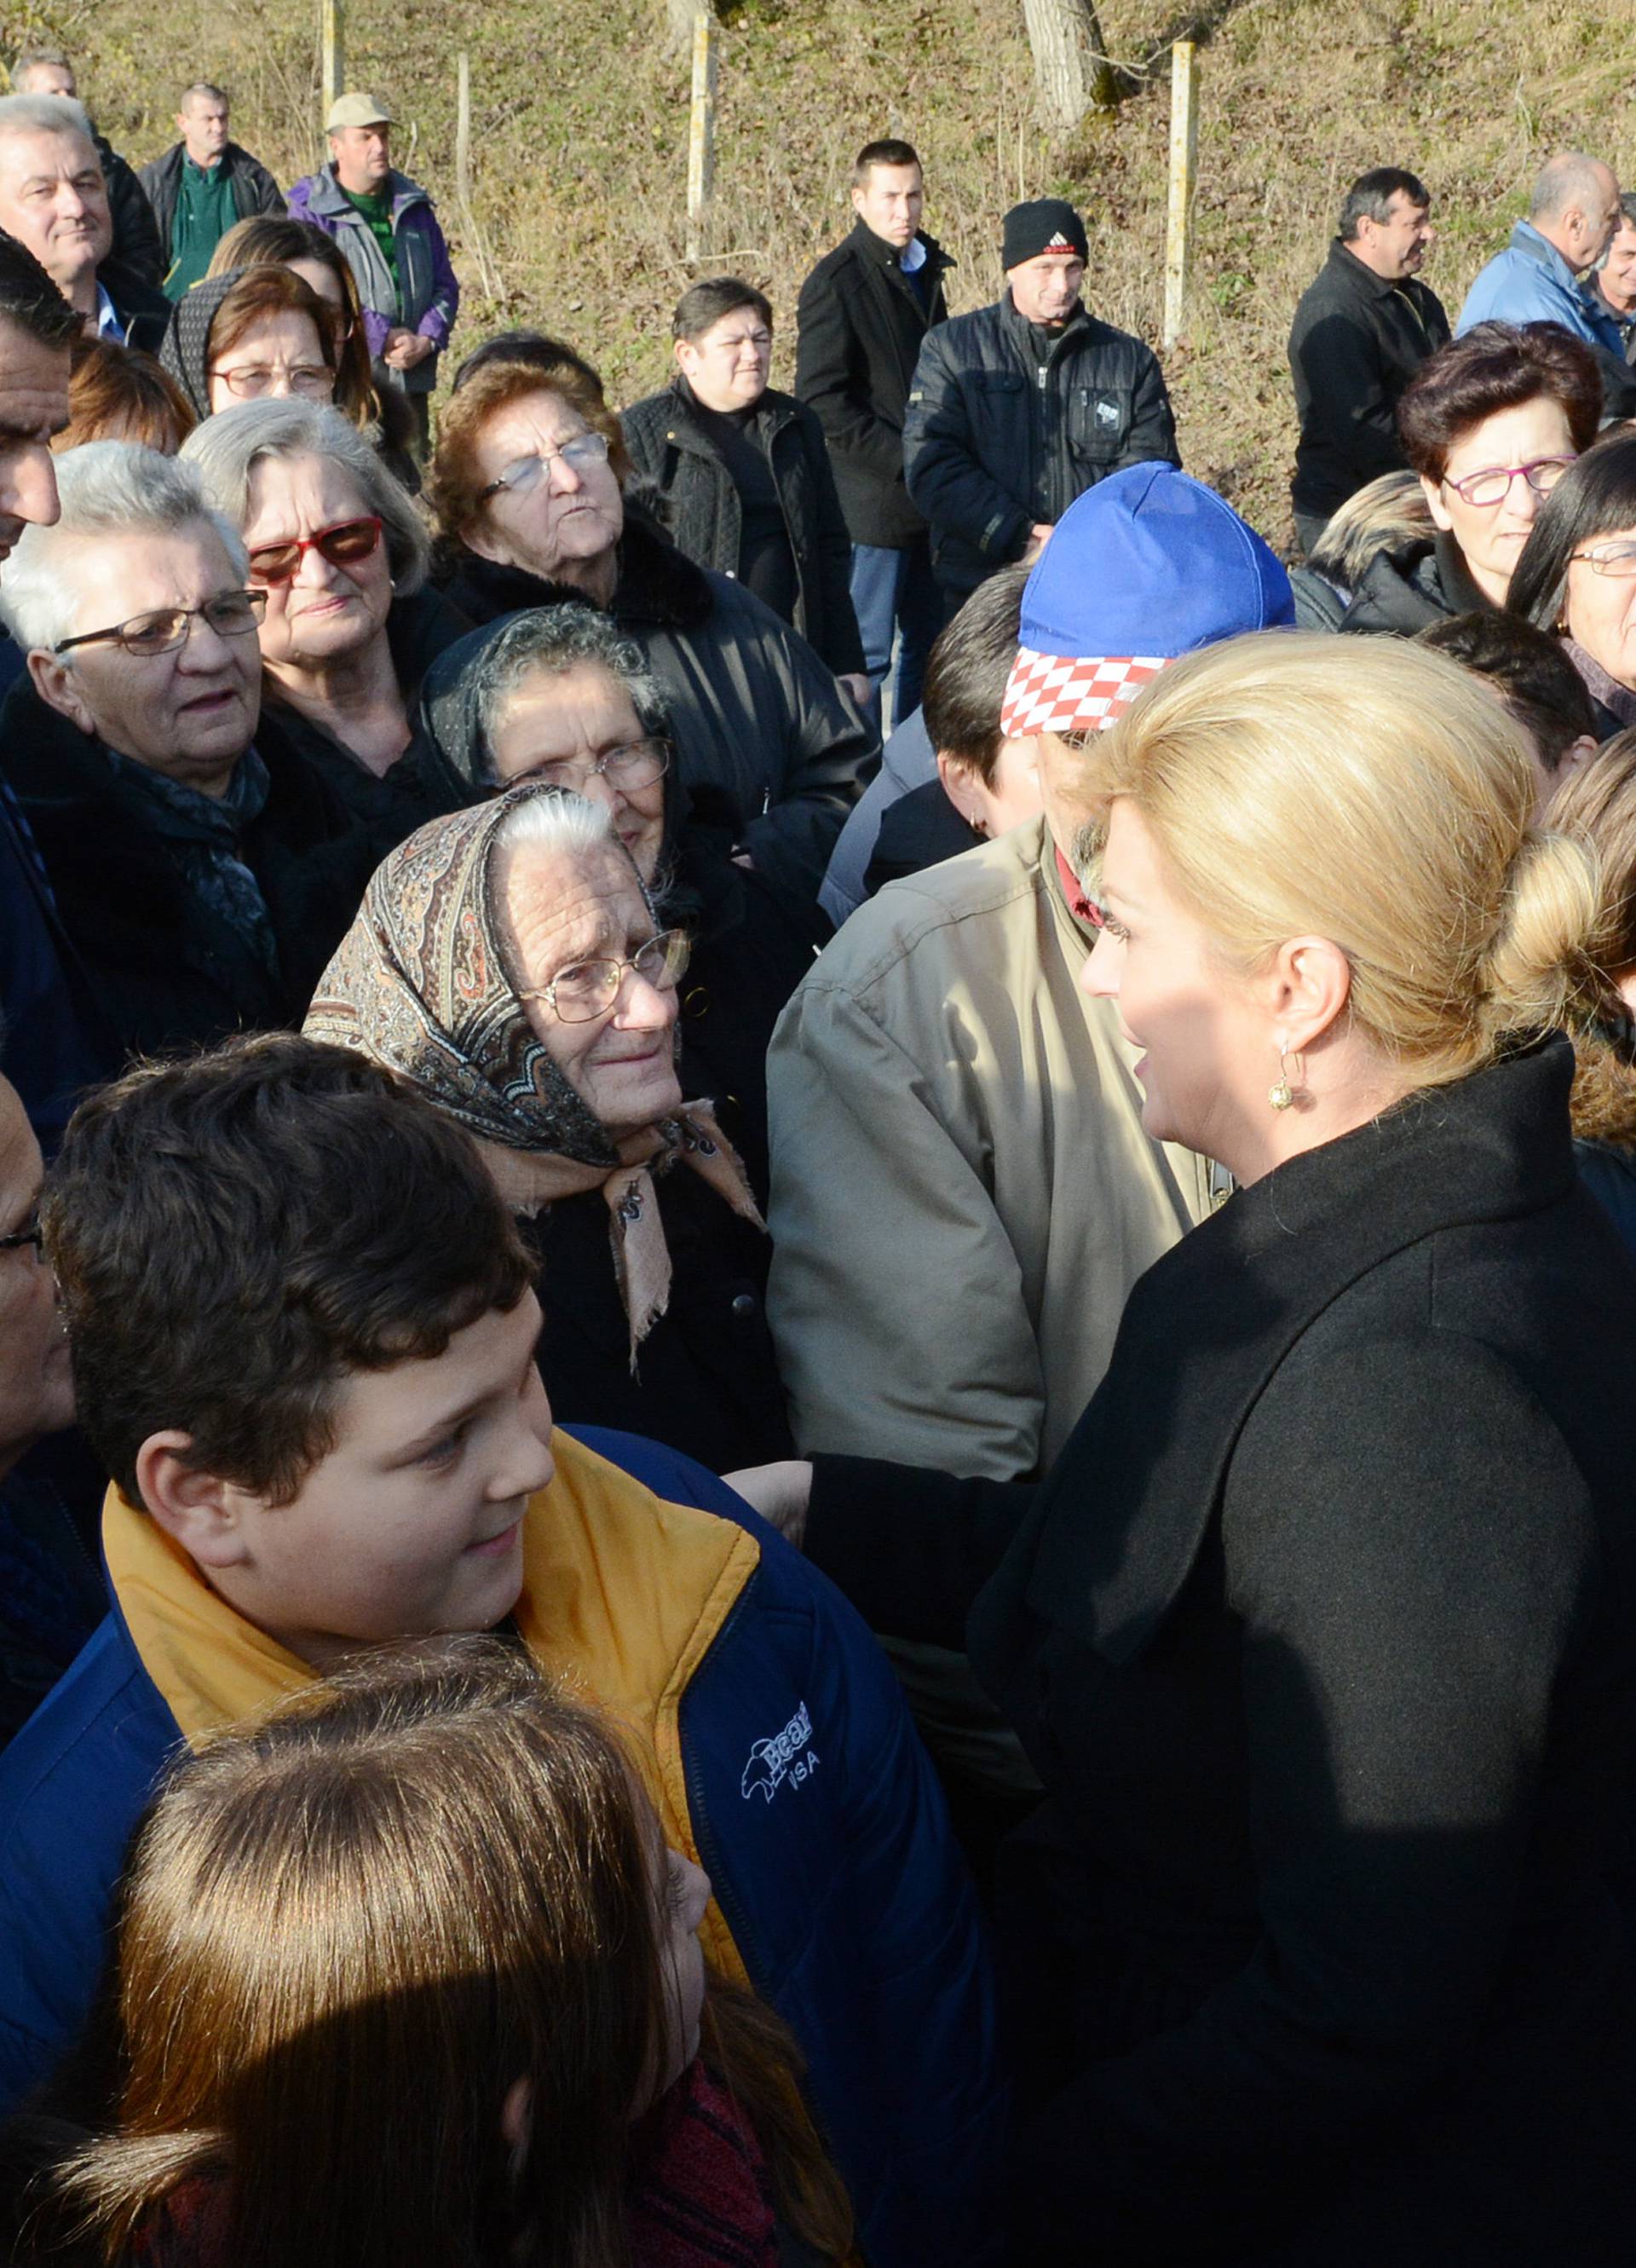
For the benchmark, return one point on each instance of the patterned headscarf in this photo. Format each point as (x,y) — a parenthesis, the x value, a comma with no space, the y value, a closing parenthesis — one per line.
(419,984)
(185,349)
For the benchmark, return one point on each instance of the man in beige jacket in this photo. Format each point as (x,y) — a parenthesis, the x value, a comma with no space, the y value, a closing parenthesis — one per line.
(963,1192)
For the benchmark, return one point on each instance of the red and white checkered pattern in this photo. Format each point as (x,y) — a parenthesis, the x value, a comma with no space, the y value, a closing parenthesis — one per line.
(1050,693)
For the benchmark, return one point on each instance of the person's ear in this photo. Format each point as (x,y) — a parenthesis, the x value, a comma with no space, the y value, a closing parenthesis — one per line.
(57,685)
(963,790)
(197,1509)
(686,356)
(1433,492)
(1576,752)
(857,198)
(1306,988)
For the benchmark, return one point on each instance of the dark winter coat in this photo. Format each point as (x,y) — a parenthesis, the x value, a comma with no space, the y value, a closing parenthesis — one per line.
(996,440)
(1402,592)
(55,1042)
(386,808)
(671,449)
(135,230)
(1356,341)
(752,945)
(253,188)
(161,969)
(754,712)
(1318,1633)
(862,325)
(920,829)
(142,308)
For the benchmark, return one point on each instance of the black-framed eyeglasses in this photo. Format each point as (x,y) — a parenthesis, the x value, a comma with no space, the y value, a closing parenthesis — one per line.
(230,613)
(579,455)
(589,989)
(32,1235)
(638,763)
(1492,485)
(1616,559)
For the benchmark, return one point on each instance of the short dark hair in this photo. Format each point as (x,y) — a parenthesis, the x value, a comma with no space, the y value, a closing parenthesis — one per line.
(1370,196)
(967,670)
(702,305)
(882,154)
(1596,496)
(1627,209)
(1495,366)
(236,1234)
(31,301)
(1529,669)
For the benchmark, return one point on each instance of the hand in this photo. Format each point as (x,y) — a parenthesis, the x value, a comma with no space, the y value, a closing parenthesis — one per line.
(781,1494)
(404,349)
(861,686)
(1038,535)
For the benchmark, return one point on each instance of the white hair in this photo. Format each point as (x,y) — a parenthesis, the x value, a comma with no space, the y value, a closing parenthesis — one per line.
(540,818)
(45,113)
(227,448)
(106,488)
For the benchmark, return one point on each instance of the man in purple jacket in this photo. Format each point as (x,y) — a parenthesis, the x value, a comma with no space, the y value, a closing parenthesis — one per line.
(385,223)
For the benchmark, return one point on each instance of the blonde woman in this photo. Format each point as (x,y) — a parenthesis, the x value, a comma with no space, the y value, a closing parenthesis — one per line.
(1319,1632)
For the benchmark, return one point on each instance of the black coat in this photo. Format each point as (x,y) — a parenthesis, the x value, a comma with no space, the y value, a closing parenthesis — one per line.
(862,325)
(141,306)
(754,712)
(253,188)
(161,971)
(707,1377)
(1356,341)
(919,829)
(136,232)
(1402,592)
(996,440)
(1318,1633)
(671,448)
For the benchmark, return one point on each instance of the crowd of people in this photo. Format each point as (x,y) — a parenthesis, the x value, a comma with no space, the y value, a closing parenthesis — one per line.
(818,1241)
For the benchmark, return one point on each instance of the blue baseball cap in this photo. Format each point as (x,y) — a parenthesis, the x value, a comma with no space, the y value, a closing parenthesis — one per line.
(1147,565)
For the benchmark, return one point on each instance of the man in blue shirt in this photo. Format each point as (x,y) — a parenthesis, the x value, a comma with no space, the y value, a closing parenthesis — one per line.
(1570,220)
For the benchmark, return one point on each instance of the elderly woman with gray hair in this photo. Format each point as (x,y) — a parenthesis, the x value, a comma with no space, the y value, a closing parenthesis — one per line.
(347,626)
(203,875)
(562,694)
(511,963)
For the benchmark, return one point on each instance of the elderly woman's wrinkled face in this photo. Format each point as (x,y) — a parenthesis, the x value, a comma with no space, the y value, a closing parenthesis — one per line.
(547,512)
(1491,536)
(280,355)
(579,729)
(333,601)
(190,713)
(1600,604)
(564,908)
(1209,1058)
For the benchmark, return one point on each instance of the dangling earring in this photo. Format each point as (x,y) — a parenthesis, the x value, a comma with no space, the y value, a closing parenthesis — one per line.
(1282,1096)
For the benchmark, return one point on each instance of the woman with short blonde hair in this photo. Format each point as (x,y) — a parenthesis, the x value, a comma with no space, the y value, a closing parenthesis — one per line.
(1318,1630)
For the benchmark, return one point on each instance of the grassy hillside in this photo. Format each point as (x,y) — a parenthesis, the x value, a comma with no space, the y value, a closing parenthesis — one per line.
(580,144)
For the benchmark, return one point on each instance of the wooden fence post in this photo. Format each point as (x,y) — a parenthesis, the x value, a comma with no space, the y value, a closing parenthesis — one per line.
(1183,162)
(332,71)
(701,134)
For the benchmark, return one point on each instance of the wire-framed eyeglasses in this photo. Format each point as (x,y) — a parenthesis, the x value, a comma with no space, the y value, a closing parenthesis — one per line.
(1493,484)
(526,473)
(637,764)
(230,613)
(589,989)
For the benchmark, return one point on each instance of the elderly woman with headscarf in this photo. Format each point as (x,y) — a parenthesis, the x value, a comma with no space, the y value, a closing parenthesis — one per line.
(527,487)
(560,695)
(510,964)
(347,626)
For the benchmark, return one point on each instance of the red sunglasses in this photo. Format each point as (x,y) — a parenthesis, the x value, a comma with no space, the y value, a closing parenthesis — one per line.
(342,545)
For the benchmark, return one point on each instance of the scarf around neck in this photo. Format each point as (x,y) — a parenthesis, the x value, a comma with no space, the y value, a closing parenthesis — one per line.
(419,984)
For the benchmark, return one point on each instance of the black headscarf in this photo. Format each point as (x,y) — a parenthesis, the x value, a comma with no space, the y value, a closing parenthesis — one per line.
(185,350)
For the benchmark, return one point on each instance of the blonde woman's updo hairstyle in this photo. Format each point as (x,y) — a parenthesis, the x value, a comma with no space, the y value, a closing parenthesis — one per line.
(1377,795)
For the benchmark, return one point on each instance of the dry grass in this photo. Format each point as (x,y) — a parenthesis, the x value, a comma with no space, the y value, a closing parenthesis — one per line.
(581,124)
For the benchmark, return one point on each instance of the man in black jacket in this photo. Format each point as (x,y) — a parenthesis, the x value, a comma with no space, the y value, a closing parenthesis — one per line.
(1363,329)
(53,198)
(865,311)
(1019,408)
(47,70)
(202,187)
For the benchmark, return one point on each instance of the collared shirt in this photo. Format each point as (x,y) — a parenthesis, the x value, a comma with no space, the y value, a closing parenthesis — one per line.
(109,324)
(912,257)
(205,211)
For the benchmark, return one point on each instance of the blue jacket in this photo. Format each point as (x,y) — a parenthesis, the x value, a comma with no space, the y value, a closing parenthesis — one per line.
(1529,282)
(854,1916)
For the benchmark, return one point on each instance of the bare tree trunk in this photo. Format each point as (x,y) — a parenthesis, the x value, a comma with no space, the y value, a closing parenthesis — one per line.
(1069,65)
(679,22)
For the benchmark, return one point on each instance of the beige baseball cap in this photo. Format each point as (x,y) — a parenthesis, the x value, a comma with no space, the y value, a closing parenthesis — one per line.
(356,110)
